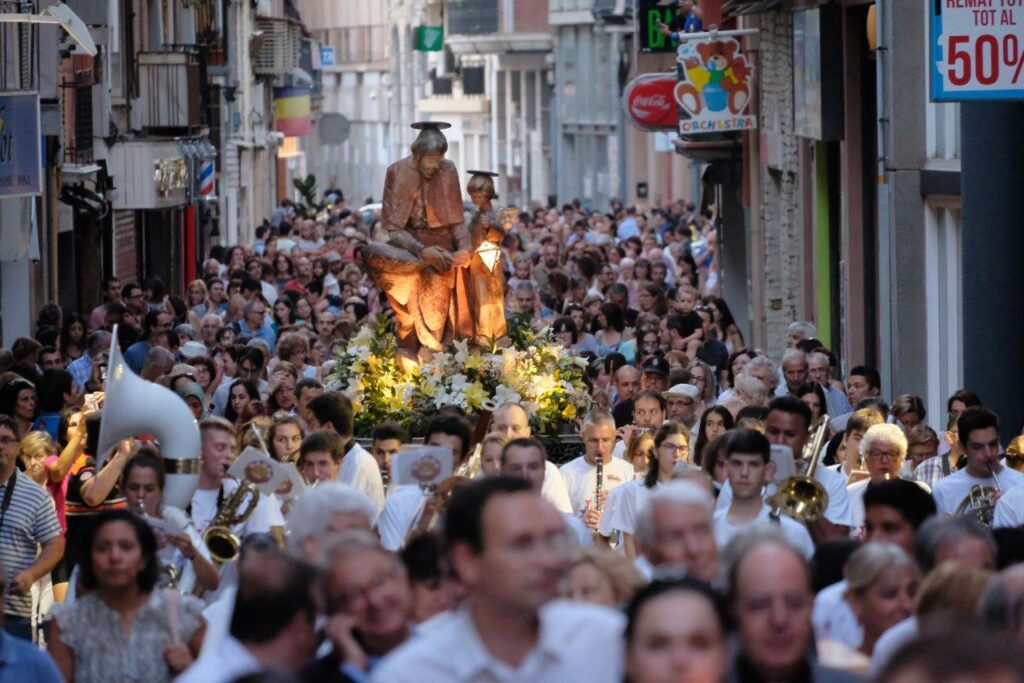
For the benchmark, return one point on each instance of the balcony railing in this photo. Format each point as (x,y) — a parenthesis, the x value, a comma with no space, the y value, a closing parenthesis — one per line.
(76,112)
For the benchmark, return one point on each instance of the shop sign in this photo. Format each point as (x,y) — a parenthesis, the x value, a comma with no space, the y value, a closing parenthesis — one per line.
(649,15)
(977,50)
(713,91)
(169,175)
(20,152)
(649,102)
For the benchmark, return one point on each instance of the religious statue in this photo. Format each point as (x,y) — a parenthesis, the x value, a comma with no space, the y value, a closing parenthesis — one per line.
(484,277)
(422,211)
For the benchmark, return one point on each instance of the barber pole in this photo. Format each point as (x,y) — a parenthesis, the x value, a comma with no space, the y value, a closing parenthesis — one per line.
(206,178)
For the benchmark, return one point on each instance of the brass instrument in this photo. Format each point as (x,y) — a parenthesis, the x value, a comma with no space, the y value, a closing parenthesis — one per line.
(980,501)
(801,496)
(220,540)
(172,575)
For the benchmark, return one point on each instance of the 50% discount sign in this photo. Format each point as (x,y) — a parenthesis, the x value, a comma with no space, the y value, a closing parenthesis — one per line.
(977,50)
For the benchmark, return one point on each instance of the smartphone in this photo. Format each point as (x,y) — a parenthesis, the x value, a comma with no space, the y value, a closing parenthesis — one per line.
(103,373)
(782,457)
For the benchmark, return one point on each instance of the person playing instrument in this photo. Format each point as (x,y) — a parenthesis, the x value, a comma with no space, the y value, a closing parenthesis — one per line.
(882,450)
(124,628)
(219,451)
(671,447)
(586,493)
(857,425)
(404,506)
(983,478)
(748,458)
(332,411)
(183,551)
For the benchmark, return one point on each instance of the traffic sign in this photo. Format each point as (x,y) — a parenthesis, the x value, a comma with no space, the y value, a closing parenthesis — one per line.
(977,50)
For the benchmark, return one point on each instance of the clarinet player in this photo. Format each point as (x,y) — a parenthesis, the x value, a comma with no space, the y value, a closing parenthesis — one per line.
(591,476)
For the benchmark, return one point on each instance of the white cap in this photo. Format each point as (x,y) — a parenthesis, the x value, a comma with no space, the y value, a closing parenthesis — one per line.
(678,390)
(193,349)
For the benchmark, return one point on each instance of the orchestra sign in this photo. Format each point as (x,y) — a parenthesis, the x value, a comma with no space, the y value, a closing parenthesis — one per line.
(713,90)
(649,102)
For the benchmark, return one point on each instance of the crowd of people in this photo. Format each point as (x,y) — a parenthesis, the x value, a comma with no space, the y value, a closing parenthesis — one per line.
(732,516)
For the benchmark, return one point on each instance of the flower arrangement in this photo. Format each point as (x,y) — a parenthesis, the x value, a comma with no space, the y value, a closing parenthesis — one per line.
(536,372)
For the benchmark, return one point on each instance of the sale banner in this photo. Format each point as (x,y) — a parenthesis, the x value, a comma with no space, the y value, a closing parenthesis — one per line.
(977,50)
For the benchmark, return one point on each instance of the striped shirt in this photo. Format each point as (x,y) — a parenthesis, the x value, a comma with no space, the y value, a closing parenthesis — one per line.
(30,520)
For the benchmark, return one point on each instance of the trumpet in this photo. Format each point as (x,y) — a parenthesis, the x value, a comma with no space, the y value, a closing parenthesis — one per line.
(980,501)
(802,497)
(223,543)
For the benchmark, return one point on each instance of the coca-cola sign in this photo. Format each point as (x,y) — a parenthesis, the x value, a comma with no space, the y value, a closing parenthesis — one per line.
(649,102)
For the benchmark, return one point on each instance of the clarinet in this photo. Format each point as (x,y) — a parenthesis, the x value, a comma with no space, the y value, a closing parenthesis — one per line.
(600,483)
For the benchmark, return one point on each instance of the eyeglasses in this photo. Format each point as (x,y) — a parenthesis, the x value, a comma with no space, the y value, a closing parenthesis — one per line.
(883,455)
(672,448)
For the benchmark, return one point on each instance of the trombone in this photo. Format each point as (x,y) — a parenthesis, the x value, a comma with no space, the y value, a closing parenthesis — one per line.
(801,496)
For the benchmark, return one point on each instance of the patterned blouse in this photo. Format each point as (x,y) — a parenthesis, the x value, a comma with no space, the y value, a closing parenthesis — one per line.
(103,652)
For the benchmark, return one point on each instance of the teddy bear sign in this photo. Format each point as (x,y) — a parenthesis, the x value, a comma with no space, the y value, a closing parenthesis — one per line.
(714,86)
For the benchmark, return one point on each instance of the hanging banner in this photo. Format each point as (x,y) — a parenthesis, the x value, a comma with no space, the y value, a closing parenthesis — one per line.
(21,158)
(977,50)
(292,115)
(649,103)
(714,85)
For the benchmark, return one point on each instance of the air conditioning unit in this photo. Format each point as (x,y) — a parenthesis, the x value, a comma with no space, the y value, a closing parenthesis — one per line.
(276,48)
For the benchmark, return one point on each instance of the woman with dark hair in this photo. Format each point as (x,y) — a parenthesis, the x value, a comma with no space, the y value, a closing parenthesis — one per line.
(122,628)
(813,395)
(671,446)
(283,270)
(609,326)
(651,299)
(240,395)
(18,400)
(565,332)
(724,324)
(284,313)
(73,337)
(712,460)
(676,631)
(713,423)
(641,271)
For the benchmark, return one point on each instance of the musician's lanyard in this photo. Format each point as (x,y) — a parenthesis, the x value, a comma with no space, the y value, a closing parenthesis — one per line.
(7,497)
(188,510)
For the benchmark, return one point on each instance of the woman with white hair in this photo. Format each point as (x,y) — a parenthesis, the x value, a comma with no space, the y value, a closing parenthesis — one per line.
(749,391)
(882,450)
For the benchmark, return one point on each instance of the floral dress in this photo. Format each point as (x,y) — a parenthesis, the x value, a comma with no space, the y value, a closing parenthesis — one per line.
(103,652)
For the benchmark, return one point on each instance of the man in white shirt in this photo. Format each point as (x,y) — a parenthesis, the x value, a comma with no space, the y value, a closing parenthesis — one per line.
(978,431)
(586,492)
(648,414)
(332,411)
(511,420)
(272,625)
(405,506)
(749,461)
(219,451)
(524,458)
(509,547)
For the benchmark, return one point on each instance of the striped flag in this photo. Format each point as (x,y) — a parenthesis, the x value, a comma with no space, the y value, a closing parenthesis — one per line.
(206,175)
(292,111)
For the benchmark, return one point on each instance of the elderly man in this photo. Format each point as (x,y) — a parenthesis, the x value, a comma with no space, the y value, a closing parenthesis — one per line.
(794,372)
(255,323)
(369,606)
(208,328)
(798,331)
(509,548)
(675,531)
(770,595)
(511,420)
(819,369)
(587,490)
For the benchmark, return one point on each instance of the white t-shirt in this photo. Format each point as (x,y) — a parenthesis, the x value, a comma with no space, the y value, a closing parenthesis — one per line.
(621,507)
(951,490)
(360,470)
(1009,508)
(580,479)
(400,512)
(553,488)
(855,492)
(795,532)
(838,510)
(833,618)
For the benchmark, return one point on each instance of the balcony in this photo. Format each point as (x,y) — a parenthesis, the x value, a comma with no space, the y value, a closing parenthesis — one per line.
(76,115)
(170,101)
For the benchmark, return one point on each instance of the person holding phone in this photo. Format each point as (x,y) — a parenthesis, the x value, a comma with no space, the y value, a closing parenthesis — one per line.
(689,20)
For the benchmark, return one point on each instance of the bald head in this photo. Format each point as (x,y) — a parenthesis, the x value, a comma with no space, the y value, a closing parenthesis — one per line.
(627,382)
(512,421)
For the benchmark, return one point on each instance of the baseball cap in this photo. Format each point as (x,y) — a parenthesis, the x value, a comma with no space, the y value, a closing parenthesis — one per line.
(656,366)
(193,349)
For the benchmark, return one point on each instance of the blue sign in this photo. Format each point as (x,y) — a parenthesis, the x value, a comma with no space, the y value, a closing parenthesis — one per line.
(327,56)
(21,158)
(977,50)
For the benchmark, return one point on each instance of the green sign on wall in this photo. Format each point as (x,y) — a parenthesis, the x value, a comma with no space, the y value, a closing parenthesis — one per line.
(429,38)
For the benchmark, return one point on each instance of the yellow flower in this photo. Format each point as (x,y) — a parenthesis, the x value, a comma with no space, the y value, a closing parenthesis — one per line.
(475,395)
(473,362)
(570,412)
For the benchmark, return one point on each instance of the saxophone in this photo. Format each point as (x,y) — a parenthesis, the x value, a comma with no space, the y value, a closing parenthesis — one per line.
(220,540)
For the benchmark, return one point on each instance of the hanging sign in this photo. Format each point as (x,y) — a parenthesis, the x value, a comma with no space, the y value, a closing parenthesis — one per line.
(977,50)
(649,102)
(713,90)
(21,158)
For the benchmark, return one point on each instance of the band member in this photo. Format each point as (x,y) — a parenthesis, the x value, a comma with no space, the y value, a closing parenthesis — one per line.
(589,477)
